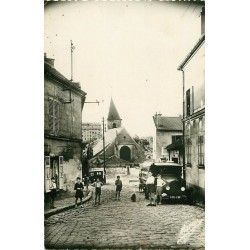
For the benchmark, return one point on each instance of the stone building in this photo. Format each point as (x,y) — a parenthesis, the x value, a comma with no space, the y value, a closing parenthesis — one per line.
(118,141)
(91,131)
(167,130)
(193,70)
(63,104)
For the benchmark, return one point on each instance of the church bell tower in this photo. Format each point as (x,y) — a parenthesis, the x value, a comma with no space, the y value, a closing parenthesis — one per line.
(114,120)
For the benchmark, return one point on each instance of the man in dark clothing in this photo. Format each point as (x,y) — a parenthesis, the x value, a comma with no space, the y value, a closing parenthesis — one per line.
(79,191)
(118,184)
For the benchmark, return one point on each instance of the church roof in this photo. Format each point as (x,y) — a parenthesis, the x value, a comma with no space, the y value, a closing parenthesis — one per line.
(110,136)
(118,135)
(113,113)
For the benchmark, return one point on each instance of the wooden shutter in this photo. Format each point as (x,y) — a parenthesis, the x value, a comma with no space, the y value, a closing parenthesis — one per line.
(188,102)
(56,117)
(61,172)
(51,116)
(47,173)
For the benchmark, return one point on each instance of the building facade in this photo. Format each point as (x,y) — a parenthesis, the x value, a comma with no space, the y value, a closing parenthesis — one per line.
(63,104)
(167,128)
(91,131)
(193,70)
(118,141)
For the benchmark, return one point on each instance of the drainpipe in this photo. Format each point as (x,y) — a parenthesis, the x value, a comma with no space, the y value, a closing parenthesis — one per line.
(183,123)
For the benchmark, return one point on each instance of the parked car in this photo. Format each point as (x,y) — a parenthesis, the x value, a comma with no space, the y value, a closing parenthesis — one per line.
(95,173)
(171,173)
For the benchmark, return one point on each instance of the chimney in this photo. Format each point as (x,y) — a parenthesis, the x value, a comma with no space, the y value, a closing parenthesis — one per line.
(50,61)
(203,20)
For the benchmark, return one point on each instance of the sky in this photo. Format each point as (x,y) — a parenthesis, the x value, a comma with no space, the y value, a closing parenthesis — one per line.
(129,51)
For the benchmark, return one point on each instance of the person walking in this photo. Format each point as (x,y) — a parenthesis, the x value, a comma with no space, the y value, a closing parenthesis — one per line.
(118,184)
(86,182)
(159,188)
(150,183)
(79,191)
(140,182)
(53,188)
(97,184)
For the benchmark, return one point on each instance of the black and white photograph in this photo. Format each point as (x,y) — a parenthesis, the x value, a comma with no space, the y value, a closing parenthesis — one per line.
(124,125)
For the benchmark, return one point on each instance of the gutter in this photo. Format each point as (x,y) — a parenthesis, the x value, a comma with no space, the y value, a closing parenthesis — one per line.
(192,52)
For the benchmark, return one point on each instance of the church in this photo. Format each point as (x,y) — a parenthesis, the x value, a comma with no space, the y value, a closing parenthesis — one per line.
(118,142)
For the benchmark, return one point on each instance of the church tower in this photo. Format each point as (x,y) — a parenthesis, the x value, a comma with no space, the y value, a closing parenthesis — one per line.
(114,120)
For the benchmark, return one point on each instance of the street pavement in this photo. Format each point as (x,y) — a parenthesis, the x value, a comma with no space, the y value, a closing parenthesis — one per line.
(125,224)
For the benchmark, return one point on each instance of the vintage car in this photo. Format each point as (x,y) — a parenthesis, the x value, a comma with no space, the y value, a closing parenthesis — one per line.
(171,173)
(95,173)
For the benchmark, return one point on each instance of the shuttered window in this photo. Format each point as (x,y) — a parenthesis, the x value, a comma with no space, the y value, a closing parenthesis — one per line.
(201,150)
(53,116)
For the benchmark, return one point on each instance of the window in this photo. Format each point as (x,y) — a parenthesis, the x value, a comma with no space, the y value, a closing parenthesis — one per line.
(188,150)
(176,138)
(164,151)
(188,102)
(53,116)
(200,150)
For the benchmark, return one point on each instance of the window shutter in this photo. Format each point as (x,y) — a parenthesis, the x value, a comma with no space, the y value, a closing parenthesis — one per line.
(188,101)
(51,118)
(47,173)
(56,117)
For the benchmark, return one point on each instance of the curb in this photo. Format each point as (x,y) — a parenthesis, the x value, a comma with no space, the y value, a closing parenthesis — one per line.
(65,208)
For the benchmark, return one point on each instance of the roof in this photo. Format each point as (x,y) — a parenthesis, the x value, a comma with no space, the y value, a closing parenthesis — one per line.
(177,145)
(114,134)
(113,113)
(168,123)
(50,71)
(192,52)
(110,136)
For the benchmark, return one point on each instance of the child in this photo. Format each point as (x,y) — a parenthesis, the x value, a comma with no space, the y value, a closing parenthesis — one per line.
(53,191)
(151,189)
(79,191)
(118,184)
(86,182)
(140,182)
(97,184)
(159,188)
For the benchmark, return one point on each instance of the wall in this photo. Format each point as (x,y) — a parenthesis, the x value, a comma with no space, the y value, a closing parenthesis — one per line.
(70,114)
(117,122)
(195,77)
(70,126)
(71,167)
(195,174)
(163,139)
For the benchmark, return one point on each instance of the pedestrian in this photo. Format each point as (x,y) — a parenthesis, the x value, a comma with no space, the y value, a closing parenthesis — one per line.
(159,188)
(151,188)
(79,191)
(86,182)
(140,182)
(53,188)
(97,184)
(118,184)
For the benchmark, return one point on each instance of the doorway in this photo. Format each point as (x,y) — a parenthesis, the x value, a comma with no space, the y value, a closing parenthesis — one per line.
(125,153)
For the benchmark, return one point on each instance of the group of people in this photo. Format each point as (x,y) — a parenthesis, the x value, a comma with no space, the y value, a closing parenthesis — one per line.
(79,188)
(154,188)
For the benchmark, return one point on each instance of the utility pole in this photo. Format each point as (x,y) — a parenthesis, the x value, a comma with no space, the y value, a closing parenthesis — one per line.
(103,137)
(72,47)
(183,123)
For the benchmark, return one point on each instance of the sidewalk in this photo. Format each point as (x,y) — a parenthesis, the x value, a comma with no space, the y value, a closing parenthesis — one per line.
(63,204)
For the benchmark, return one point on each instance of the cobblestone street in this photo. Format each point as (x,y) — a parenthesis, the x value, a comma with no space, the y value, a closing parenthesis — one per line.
(126,225)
